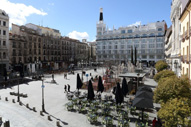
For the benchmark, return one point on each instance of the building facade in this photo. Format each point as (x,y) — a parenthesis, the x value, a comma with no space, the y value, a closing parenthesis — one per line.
(185,33)
(41,48)
(176,42)
(4,41)
(168,47)
(115,45)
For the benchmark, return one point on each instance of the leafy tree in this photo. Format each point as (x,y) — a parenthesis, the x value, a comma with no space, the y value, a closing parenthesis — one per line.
(176,112)
(135,56)
(132,61)
(172,87)
(161,65)
(163,74)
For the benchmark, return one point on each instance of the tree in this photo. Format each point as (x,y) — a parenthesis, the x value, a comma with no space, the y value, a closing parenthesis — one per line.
(171,88)
(176,112)
(132,55)
(163,74)
(135,56)
(161,65)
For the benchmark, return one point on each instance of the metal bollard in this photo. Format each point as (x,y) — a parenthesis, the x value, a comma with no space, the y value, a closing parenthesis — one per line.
(6,98)
(34,109)
(13,100)
(20,103)
(58,123)
(27,105)
(41,113)
(49,118)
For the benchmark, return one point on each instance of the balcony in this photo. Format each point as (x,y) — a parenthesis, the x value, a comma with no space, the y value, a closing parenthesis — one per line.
(185,58)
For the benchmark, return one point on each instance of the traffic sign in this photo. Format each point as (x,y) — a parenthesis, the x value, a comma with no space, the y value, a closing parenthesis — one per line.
(43,86)
(86,75)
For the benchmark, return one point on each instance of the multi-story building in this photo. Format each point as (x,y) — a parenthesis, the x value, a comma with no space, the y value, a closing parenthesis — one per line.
(92,46)
(168,47)
(26,46)
(176,42)
(43,48)
(115,45)
(4,41)
(185,20)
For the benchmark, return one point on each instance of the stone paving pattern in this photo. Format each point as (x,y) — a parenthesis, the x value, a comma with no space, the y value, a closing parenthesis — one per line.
(55,100)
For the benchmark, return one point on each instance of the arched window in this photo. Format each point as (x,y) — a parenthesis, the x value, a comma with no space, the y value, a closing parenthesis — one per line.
(4,55)
(152,34)
(144,35)
(137,35)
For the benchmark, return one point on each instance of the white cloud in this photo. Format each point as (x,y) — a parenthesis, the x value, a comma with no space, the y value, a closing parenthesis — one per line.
(78,35)
(18,12)
(136,23)
(52,4)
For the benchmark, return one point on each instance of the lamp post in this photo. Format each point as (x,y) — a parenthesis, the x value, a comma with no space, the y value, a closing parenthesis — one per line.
(18,97)
(137,81)
(43,109)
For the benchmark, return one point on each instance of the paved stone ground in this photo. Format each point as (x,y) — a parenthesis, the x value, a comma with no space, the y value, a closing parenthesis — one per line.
(55,100)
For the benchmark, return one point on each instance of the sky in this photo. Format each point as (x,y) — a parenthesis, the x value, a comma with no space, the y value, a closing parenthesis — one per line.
(77,18)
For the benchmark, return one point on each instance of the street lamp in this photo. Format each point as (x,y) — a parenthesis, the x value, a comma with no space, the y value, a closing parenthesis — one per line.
(18,97)
(43,109)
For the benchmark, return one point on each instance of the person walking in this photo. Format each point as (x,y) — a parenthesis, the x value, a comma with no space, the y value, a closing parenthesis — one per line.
(154,122)
(65,88)
(68,88)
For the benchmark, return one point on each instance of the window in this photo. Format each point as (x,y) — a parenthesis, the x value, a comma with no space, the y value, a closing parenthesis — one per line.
(136,45)
(151,45)
(143,46)
(129,41)
(4,55)
(0,32)
(4,32)
(122,46)
(159,57)
(159,39)
(144,57)
(151,40)
(159,45)
(152,34)
(159,51)
(4,43)
(151,56)
(137,35)
(0,22)
(130,31)
(151,51)
(4,23)
(128,46)
(143,40)
(144,35)
(115,46)
(136,40)
(159,29)
(160,34)
(122,31)
(143,51)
